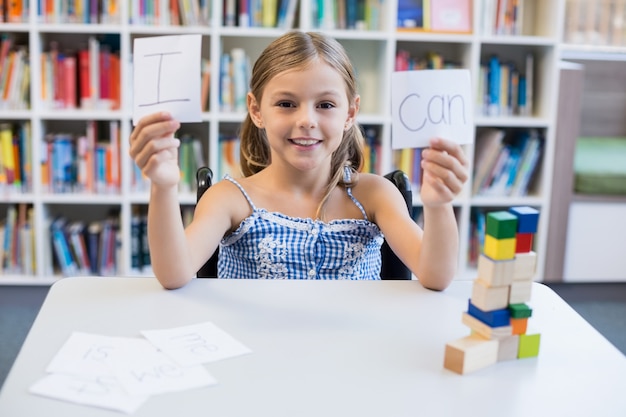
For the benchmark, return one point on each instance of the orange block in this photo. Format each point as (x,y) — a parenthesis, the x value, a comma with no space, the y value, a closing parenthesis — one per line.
(519,325)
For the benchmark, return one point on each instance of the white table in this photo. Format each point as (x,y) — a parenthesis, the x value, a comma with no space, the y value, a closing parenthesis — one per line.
(329,348)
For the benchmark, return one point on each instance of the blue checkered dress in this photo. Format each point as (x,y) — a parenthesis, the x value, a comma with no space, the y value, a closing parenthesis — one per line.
(275,246)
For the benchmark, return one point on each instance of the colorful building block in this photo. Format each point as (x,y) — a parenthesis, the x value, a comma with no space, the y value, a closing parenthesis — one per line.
(523,242)
(520,311)
(489,298)
(499,249)
(470,353)
(527,219)
(528,345)
(519,326)
(501,225)
(495,273)
(494,318)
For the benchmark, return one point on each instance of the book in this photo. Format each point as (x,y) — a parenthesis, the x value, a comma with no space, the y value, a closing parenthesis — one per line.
(410,14)
(451,16)
(489,143)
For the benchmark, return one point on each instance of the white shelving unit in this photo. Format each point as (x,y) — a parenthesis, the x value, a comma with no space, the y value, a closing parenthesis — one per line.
(373,53)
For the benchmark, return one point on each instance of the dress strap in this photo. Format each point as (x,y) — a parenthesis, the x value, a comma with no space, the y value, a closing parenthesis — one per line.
(231,179)
(347,174)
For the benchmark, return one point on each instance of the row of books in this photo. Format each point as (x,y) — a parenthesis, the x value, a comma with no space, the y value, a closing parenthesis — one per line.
(504,89)
(502,17)
(14,75)
(452,16)
(88,163)
(16,174)
(258,13)
(405,61)
(595,22)
(348,14)
(170,12)
(85,248)
(12,11)
(506,161)
(79,11)
(235,72)
(89,79)
(17,240)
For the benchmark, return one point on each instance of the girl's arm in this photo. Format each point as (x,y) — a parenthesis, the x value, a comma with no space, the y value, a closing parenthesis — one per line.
(431,254)
(175,254)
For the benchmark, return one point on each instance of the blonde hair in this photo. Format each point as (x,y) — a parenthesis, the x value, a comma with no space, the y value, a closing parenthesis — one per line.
(294,50)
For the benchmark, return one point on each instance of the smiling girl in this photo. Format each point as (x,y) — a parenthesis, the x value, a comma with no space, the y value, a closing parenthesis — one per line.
(302,209)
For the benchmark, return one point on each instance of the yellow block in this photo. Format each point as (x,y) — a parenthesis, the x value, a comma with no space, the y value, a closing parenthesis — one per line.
(499,249)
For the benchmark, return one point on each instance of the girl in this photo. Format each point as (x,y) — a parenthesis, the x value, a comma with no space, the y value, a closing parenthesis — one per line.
(302,209)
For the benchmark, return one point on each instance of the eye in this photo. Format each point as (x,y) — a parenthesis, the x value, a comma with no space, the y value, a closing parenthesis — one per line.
(285,104)
(326,105)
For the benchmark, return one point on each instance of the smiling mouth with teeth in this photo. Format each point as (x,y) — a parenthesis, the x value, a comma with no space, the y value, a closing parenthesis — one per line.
(305,142)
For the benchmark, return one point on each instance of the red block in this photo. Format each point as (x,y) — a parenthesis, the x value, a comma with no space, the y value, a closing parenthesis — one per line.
(523,242)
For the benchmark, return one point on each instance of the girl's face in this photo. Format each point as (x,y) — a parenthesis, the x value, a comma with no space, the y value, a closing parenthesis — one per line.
(304,113)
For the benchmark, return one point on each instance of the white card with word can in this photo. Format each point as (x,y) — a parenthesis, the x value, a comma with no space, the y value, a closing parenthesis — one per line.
(431,103)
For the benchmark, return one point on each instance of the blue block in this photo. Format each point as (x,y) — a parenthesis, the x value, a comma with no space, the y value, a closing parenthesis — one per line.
(527,219)
(492,318)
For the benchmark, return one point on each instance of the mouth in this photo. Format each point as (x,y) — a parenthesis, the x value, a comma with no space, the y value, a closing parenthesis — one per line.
(304,142)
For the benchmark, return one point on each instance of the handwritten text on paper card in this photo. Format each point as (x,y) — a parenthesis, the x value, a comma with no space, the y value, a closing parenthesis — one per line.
(431,103)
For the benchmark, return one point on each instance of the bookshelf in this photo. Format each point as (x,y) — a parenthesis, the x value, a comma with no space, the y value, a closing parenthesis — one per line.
(373,45)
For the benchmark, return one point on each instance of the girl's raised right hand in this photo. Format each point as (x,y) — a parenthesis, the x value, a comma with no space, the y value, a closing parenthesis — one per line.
(154,148)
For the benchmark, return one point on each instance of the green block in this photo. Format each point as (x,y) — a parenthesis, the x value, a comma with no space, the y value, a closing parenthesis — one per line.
(528,345)
(501,224)
(520,311)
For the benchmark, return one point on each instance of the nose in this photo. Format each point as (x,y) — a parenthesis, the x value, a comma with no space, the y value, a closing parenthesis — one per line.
(307,118)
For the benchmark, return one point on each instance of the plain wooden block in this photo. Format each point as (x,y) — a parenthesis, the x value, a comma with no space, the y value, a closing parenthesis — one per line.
(489,298)
(519,326)
(501,224)
(495,273)
(508,348)
(523,242)
(520,292)
(470,354)
(528,345)
(524,266)
(499,249)
(527,218)
(485,330)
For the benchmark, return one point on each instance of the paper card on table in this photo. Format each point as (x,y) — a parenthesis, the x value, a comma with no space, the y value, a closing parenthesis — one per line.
(431,103)
(87,354)
(166,74)
(103,391)
(143,370)
(196,344)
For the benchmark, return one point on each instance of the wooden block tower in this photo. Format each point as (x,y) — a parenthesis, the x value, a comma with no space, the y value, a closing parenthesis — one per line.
(498,312)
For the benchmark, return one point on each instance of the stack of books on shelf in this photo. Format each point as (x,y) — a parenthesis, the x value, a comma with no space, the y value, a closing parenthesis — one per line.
(504,88)
(84,248)
(506,161)
(86,11)
(14,11)
(170,13)
(502,17)
(267,14)
(89,163)
(87,79)
(16,174)
(17,245)
(14,74)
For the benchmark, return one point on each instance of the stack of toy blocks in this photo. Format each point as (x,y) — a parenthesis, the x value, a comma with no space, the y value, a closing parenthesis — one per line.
(498,312)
